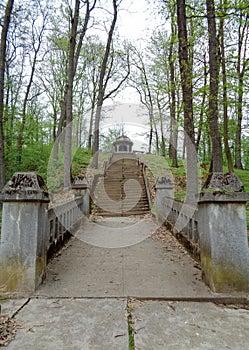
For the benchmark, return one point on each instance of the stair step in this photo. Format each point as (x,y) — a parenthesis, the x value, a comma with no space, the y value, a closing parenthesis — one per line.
(124,167)
(110,214)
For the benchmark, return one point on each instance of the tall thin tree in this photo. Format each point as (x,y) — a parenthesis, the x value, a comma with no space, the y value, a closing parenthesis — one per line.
(74,53)
(241,67)
(101,85)
(4,33)
(223,5)
(186,83)
(216,164)
(173,123)
(69,99)
(75,47)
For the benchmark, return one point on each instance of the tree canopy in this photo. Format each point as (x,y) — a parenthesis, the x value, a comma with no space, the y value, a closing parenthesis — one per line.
(191,74)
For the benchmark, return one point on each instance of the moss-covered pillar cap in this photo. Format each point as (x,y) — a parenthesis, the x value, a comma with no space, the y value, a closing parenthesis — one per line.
(223,187)
(164,182)
(80,182)
(25,187)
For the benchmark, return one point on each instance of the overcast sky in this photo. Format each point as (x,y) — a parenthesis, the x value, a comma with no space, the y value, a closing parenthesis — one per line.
(135,24)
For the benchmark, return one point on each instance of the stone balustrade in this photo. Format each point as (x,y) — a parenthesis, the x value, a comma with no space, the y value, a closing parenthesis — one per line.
(63,219)
(214,230)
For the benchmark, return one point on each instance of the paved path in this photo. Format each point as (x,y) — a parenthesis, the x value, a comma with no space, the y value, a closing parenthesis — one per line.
(145,269)
(91,291)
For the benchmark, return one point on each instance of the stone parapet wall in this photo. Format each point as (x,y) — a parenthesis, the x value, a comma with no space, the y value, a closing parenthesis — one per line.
(32,232)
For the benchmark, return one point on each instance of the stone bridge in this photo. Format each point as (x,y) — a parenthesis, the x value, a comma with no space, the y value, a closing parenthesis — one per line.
(214,230)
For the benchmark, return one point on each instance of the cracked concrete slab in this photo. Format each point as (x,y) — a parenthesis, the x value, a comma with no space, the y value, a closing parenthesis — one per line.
(11,306)
(65,324)
(188,325)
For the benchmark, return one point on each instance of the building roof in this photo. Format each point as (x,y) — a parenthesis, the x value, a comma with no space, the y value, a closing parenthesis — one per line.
(123,139)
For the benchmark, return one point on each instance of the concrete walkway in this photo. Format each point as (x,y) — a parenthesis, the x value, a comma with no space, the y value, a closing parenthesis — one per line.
(144,269)
(92,291)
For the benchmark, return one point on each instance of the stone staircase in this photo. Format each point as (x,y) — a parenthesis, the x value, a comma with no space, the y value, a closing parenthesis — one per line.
(122,191)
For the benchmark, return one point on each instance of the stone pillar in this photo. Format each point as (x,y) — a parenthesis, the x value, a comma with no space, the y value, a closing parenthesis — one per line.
(82,188)
(223,233)
(23,246)
(164,198)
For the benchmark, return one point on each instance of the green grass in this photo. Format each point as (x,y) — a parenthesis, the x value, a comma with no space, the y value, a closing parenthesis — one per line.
(80,161)
(243,175)
(161,166)
(130,308)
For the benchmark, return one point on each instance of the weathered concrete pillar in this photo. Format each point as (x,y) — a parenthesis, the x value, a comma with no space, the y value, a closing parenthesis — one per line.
(23,247)
(81,188)
(223,233)
(164,198)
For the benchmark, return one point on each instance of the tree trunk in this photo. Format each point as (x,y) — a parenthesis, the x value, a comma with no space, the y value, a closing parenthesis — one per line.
(72,67)
(4,34)
(200,127)
(186,82)
(173,124)
(242,61)
(238,160)
(24,109)
(151,131)
(101,90)
(224,87)
(163,146)
(157,138)
(69,100)
(62,122)
(213,93)
(90,132)
(36,36)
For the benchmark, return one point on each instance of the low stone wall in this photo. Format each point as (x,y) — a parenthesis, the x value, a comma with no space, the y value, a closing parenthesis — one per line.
(182,220)
(146,182)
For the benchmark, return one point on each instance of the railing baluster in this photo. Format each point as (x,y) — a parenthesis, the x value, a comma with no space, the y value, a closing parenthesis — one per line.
(63,218)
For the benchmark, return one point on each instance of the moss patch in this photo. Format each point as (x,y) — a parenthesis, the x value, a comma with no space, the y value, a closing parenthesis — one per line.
(222,279)
(12,277)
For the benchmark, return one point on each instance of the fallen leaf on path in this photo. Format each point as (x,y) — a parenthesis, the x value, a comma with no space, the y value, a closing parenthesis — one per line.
(8,328)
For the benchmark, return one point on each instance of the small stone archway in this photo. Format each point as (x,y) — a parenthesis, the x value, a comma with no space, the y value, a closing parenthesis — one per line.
(123,144)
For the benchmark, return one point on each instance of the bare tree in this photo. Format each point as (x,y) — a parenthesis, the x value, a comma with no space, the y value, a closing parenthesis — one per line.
(103,82)
(242,63)
(74,53)
(173,122)
(75,45)
(142,84)
(101,86)
(4,33)
(224,87)
(213,88)
(37,32)
(203,102)
(186,82)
